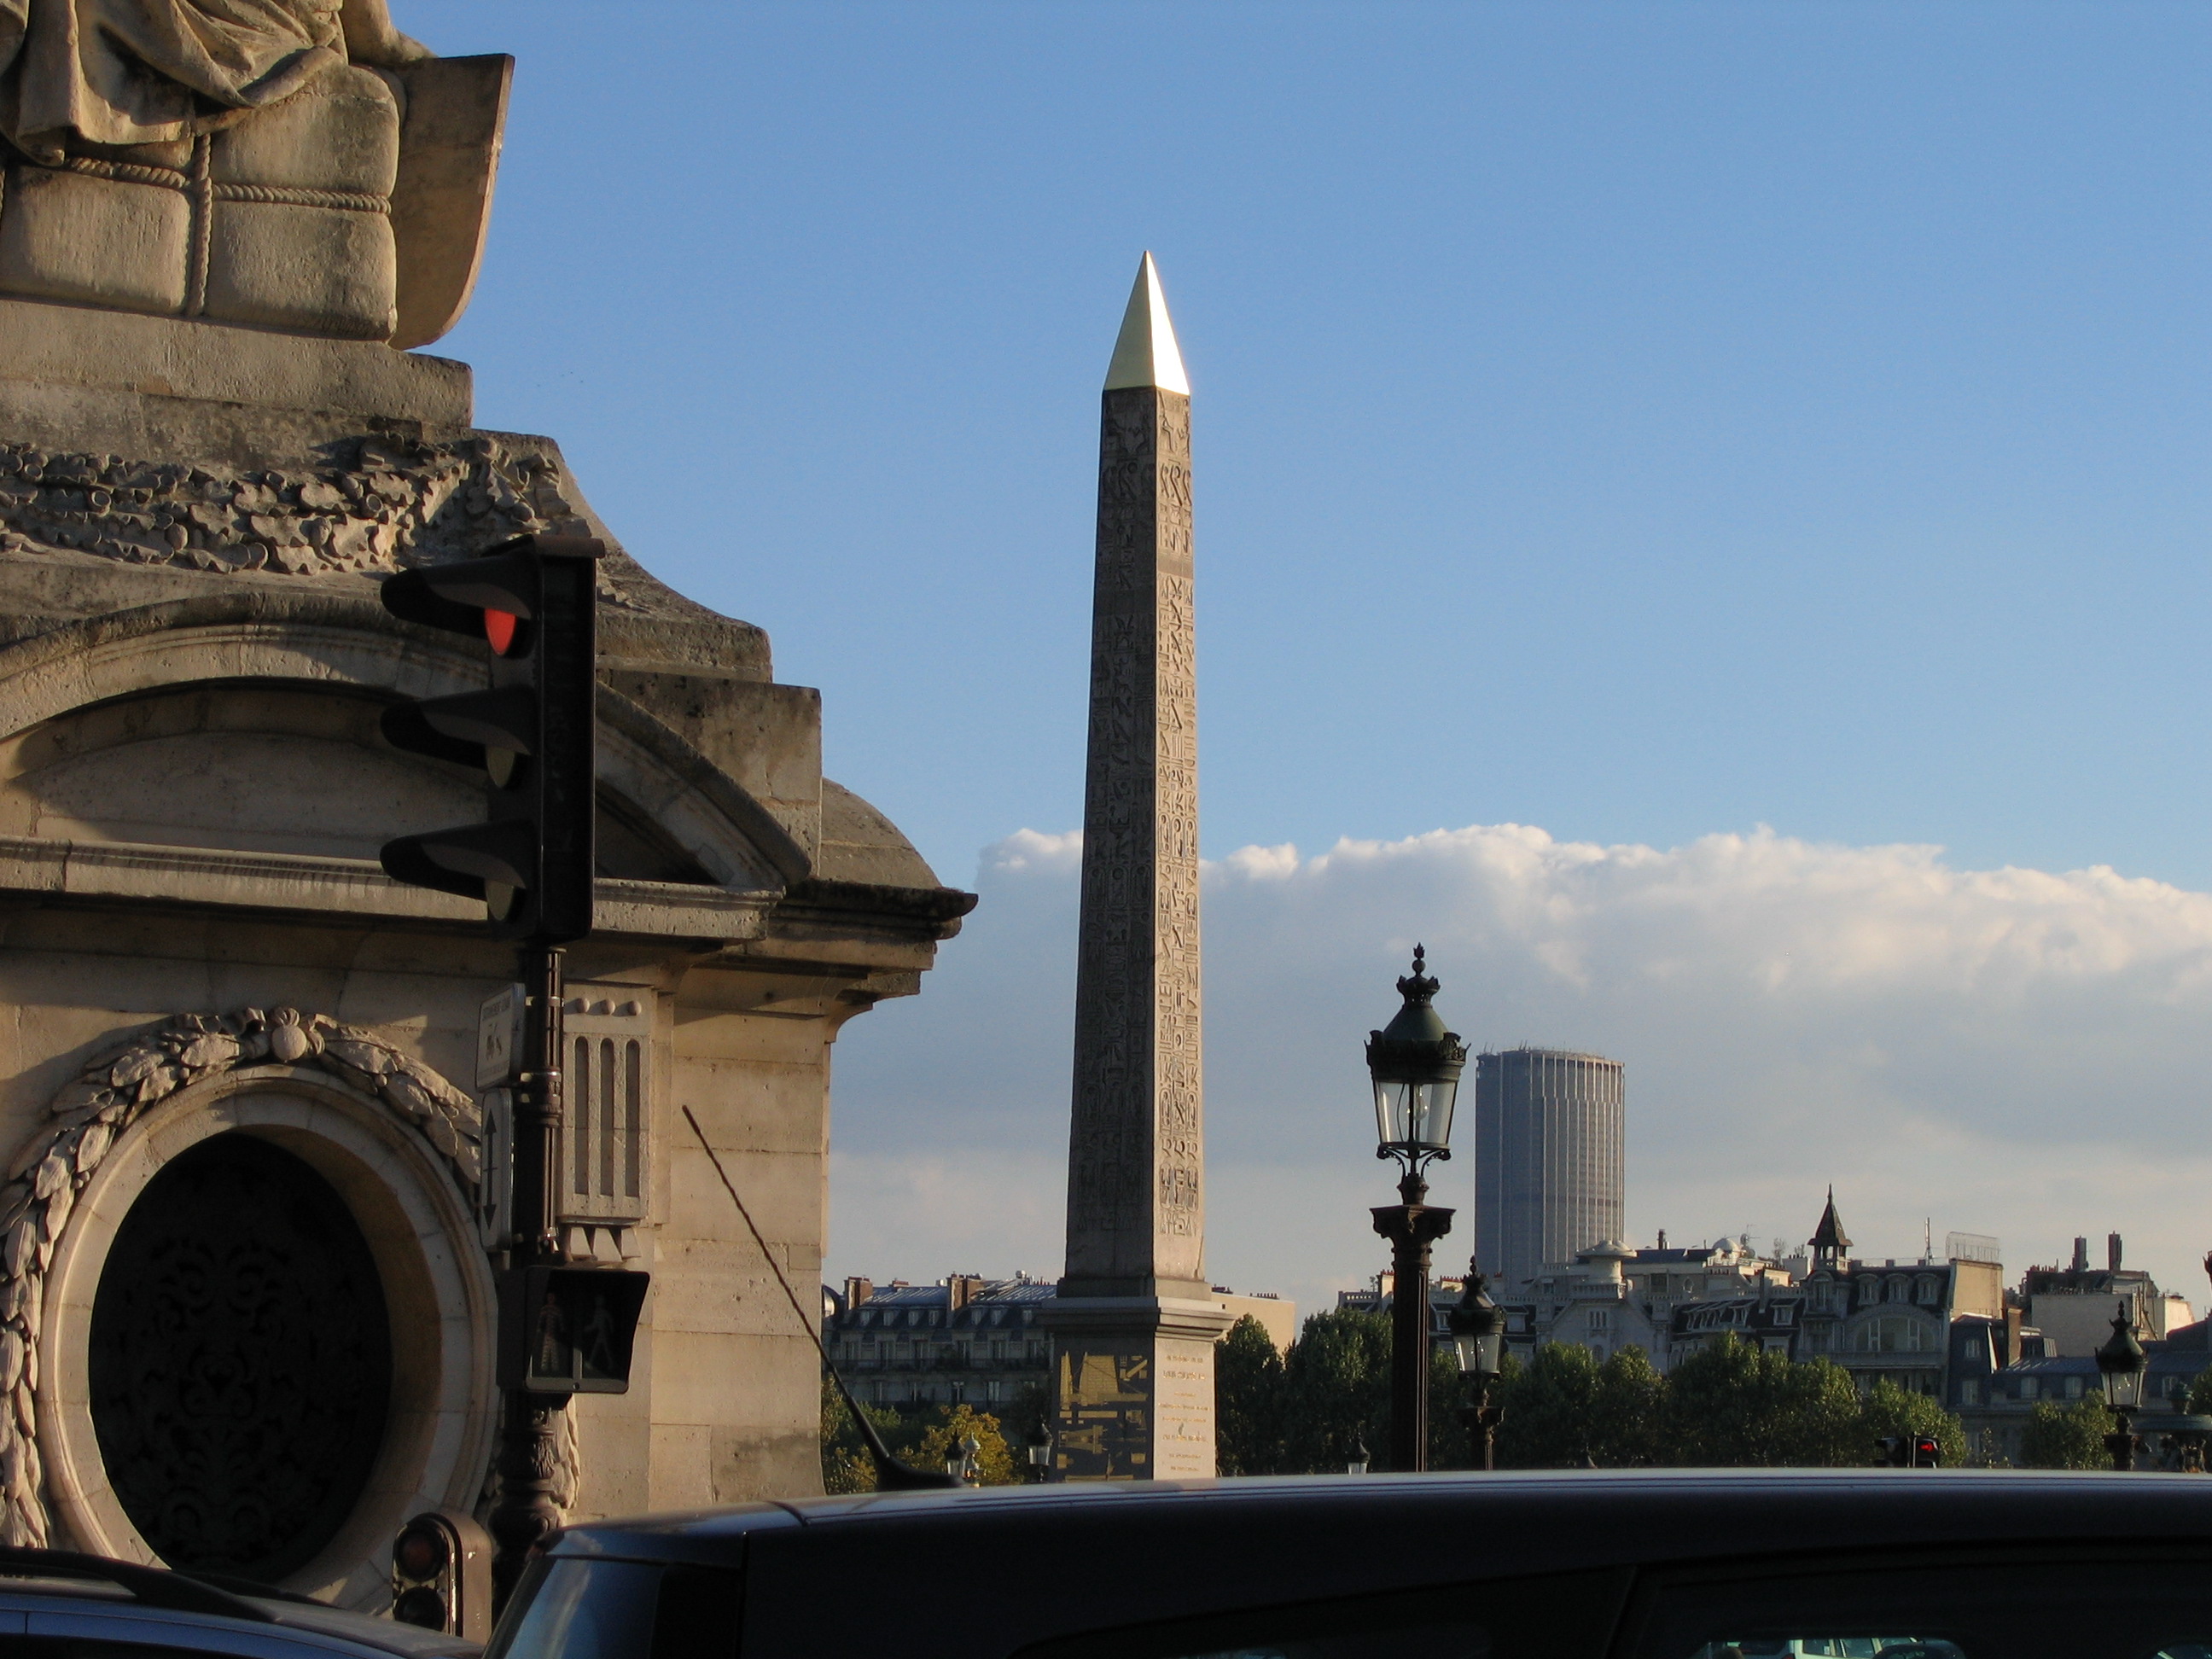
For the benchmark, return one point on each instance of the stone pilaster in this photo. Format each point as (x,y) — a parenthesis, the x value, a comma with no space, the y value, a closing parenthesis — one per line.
(1135,1326)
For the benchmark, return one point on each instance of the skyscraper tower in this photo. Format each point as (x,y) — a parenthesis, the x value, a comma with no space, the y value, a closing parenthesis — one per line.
(1133,1324)
(1548,1159)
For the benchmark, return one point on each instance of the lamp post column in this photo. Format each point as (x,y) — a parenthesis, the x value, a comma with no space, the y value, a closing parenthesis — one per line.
(2124,1442)
(1411,1226)
(1414,1065)
(1478,1328)
(1482,1420)
(524,1514)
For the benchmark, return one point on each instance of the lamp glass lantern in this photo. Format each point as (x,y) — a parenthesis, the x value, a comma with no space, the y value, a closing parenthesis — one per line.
(1415,1065)
(2122,1365)
(1478,1328)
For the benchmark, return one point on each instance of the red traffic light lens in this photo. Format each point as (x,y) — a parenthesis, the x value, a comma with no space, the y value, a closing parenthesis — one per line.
(500,629)
(420,1552)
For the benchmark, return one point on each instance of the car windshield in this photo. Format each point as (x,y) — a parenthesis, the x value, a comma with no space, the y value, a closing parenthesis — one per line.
(2090,1606)
(571,1607)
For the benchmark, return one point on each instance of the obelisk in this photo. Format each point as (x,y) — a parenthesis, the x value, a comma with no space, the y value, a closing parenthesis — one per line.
(1133,1324)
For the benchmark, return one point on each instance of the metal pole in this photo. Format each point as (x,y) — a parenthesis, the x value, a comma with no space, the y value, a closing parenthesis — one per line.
(2121,1442)
(1482,1420)
(526,1513)
(1411,1227)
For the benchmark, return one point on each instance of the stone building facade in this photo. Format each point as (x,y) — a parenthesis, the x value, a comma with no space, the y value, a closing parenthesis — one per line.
(1891,1320)
(2073,1306)
(970,1340)
(1665,1300)
(249,1222)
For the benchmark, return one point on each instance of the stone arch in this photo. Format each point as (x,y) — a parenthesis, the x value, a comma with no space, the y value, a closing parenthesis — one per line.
(349,647)
(402,1144)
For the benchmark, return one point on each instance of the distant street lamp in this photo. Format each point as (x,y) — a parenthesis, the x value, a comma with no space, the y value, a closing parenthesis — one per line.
(1357,1462)
(1478,1329)
(2121,1364)
(1040,1450)
(1415,1065)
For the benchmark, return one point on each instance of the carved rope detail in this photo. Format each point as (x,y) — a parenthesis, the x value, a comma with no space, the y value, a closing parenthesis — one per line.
(90,1114)
(130,173)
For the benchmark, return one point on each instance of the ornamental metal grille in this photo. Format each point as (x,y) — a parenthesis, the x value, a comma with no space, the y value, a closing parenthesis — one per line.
(240,1361)
(606,1162)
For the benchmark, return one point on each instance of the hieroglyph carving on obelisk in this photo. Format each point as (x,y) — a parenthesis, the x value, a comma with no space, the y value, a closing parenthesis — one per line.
(1133,1372)
(1136,1211)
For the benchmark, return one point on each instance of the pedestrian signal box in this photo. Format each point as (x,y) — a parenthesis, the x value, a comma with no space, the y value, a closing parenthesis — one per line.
(569,1330)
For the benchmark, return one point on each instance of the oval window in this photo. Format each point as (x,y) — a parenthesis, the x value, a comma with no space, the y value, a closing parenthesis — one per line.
(240,1363)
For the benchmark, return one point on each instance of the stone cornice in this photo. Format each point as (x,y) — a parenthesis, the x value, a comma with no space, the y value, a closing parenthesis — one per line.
(352,889)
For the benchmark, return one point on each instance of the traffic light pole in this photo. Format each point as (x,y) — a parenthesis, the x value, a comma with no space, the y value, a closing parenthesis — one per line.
(526,1513)
(533,602)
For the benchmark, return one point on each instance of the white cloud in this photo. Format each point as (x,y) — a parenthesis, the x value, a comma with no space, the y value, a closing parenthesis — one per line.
(2009,1051)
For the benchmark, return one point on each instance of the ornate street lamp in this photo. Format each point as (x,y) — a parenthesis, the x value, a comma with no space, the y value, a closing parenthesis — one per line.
(1478,1328)
(2121,1364)
(1040,1450)
(1415,1065)
(1355,1462)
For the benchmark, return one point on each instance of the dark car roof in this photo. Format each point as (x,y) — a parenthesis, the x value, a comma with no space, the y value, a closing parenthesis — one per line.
(1165,1550)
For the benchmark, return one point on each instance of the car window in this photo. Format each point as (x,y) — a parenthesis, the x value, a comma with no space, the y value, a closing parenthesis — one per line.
(89,1647)
(572,1607)
(1553,1616)
(96,1632)
(2084,1605)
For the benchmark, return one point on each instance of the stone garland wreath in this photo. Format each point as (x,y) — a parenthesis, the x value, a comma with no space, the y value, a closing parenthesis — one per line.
(112,1092)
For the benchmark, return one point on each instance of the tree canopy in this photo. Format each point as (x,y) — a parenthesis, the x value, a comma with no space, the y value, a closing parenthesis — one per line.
(2068,1437)
(1731,1404)
(927,1439)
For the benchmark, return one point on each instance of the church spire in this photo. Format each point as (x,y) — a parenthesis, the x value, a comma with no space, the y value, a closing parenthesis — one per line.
(1829,1244)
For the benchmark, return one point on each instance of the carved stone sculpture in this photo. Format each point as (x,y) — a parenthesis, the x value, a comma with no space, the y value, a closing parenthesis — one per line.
(378,500)
(296,165)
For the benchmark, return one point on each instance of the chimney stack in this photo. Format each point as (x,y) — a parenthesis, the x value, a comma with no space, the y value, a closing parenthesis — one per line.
(2080,1256)
(2113,1251)
(858,1290)
(960,1289)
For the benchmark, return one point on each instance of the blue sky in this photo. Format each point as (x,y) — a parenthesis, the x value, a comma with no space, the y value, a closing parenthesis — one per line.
(1641,421)
(1635,420)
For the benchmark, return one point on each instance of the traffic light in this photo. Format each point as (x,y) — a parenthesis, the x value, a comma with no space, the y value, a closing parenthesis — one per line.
(569,1330)
(1910,1451)
(441,1574)
(533,602)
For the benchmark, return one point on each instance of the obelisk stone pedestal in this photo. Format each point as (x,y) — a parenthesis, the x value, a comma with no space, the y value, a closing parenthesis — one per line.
(1134,1323)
